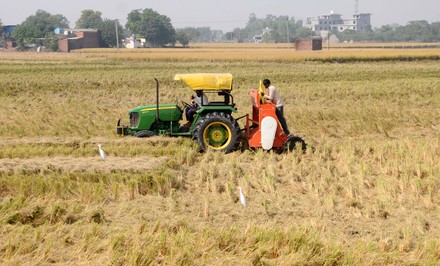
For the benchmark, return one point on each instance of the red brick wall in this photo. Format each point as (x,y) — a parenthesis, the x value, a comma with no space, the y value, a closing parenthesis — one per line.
(308,45)
(84,39)
(75,44)
(90,40)
(63,45)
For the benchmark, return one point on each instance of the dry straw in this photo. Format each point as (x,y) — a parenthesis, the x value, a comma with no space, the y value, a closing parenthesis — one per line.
(366,192)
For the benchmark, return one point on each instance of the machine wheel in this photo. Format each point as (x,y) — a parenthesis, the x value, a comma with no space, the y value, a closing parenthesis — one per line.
(294,143)
(144,134)
(217,131)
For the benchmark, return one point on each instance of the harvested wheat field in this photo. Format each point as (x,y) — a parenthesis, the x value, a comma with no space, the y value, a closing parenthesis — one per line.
(366,191)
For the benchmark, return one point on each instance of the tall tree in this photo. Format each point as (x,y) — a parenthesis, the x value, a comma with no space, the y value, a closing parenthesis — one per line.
(2,35)
(419,30)
(107,30)
(89,19)
(156,28)
(435,28)
(25,34)
(186,35)
(275,28)
(384,34)
(182,38)
(254,25)
(205,34)
(40,25)
(46,22)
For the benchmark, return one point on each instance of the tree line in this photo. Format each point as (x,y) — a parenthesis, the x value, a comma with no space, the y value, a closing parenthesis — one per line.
(158,30)
(414,31)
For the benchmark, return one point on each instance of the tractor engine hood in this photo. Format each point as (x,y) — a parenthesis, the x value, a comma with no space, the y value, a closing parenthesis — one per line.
(144,116)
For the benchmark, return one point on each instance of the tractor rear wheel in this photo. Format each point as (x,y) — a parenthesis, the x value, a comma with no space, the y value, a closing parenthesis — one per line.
(218,131)
(295,143)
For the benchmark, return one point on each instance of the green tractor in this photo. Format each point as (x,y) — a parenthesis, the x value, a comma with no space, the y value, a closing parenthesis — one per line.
(213,126)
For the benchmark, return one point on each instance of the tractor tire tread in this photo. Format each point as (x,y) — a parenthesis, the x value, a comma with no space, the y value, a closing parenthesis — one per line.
(222,117)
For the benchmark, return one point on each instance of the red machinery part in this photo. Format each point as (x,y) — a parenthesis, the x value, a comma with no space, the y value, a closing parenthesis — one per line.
(259,112)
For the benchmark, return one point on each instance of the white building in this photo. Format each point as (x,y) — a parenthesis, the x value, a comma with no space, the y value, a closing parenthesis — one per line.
(133,42)
(360,22)
(258,38)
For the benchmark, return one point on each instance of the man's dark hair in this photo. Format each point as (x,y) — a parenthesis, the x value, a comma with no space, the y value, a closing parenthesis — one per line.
(266,82)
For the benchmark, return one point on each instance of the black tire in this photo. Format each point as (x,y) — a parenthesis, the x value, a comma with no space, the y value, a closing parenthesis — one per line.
(144,134)
(294,143)
(218,131)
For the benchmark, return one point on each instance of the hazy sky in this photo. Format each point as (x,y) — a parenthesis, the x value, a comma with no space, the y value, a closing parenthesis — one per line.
(226,14)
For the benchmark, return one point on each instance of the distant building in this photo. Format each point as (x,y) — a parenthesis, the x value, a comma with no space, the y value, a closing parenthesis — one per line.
(133,42)
(78,39)
(258,38)
(360,22)
(312,44)
(8,30)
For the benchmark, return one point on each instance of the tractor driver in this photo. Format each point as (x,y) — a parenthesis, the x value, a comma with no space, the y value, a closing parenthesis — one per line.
(196,101)
(273,95)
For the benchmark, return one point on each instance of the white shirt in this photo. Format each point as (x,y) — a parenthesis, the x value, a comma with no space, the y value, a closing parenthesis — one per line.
(273,96)
(199,99)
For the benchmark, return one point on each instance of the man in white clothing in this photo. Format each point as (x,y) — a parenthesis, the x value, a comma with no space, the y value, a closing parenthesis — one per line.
(274,97)
(197,101)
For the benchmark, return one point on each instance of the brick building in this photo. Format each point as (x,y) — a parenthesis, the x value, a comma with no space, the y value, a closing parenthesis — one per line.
(77,39)
(313,44)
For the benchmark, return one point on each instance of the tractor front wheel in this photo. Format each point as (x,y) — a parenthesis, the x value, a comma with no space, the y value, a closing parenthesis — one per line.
(144,134)
(217,131)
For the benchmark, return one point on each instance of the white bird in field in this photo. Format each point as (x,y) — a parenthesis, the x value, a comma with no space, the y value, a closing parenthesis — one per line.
(242,198)
(102,152)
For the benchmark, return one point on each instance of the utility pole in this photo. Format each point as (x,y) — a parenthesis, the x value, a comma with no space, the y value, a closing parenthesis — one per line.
(328,41)
(117,35)
(288,37)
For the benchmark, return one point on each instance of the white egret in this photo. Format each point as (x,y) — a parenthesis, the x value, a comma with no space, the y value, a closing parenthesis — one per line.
(242,198)
(102,153)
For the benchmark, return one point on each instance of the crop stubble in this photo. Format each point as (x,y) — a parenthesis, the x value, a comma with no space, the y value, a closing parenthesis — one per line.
(367,192)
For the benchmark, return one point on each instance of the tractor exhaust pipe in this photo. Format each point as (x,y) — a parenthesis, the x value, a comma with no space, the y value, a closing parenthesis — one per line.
(157,99)
(120,129)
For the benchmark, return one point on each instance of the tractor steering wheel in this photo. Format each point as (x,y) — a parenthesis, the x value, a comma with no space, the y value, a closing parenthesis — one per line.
(186,105)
